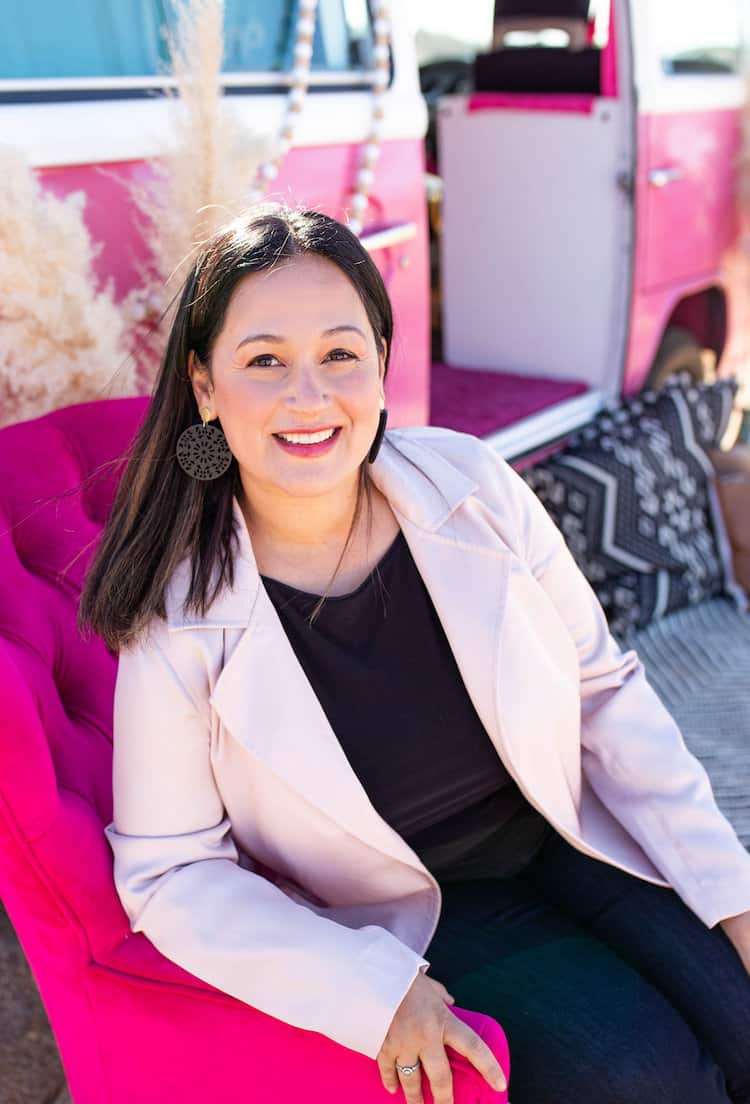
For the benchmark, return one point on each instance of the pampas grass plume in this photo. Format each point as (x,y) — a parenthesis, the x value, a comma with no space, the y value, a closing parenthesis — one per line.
(199,184)
(61,335)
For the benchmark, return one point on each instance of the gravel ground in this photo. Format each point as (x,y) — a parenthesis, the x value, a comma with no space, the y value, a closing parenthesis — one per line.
(30,1067)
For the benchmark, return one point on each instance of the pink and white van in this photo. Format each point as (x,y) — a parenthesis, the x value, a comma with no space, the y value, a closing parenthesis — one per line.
(578,236)
(590,217)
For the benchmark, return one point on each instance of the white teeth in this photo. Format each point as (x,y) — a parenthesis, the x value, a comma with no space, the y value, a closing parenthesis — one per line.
(307,438)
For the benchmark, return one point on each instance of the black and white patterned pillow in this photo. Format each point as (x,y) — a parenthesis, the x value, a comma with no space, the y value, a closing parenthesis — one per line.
(632,493)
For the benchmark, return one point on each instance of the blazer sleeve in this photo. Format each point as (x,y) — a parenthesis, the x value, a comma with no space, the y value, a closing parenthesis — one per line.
(178,876)
(632,750)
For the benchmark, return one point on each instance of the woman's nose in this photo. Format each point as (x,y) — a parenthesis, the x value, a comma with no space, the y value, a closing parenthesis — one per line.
(308,388)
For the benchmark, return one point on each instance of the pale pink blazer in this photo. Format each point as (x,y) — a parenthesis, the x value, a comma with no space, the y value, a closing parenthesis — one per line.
(226,765)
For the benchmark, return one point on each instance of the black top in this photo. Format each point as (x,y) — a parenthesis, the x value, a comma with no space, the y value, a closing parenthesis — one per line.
(383,670)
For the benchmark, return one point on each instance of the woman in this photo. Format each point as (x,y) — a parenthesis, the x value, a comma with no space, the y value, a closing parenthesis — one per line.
(346,739)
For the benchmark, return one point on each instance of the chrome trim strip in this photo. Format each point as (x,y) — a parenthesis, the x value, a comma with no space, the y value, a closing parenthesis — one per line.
(229,80)
(547,426)
(392,235)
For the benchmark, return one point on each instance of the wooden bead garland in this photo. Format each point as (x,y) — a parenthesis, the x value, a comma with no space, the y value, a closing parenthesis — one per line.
(370,150)
(303,49)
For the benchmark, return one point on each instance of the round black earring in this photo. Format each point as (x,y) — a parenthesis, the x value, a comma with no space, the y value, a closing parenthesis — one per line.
(202,450)
(378,436)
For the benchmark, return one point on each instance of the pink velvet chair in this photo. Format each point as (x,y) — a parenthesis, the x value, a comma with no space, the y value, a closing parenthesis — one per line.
(132,1027)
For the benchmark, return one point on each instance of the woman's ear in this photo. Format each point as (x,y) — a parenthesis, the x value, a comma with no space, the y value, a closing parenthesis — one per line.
(199,378)
(381,369)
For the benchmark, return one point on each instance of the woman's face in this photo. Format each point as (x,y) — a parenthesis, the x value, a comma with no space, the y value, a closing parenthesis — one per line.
(296,353)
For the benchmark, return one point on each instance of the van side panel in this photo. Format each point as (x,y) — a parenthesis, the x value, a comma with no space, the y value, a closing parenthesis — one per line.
(688,230)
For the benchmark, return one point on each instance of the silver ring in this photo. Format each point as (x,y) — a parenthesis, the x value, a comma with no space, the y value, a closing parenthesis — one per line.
(408,1070)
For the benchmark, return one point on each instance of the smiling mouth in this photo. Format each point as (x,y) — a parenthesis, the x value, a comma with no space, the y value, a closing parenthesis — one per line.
(309,437)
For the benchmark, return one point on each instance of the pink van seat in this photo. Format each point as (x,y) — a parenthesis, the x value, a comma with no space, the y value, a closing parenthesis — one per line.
(131,1026)
(479,401)
(580,103)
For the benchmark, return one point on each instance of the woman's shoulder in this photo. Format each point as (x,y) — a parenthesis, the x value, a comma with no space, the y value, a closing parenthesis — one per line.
(516,512)
(160,661)
(159,636)
(469,454)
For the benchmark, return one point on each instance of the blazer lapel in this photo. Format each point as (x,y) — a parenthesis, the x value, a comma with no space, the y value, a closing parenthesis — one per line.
(265,700)
(508,642)
(505,633)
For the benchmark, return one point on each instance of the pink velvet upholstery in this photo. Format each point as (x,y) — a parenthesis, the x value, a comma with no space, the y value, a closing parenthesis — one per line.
(132,1027)
(480,401)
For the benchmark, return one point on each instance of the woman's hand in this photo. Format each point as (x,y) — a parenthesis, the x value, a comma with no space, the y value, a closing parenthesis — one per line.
(737,929)
(421,1028)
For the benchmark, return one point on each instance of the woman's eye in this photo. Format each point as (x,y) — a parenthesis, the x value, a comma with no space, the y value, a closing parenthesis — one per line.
(261,360)
(341,354)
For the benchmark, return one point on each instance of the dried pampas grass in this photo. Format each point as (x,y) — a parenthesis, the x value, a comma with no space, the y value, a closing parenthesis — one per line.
(198,185)
(61,335)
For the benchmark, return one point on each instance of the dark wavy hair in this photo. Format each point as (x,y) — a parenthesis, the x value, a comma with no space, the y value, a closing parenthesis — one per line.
(159,514)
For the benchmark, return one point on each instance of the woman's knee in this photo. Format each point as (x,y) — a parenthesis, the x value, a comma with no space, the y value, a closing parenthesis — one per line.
(642,1050)
(663,1070)
(621,1079)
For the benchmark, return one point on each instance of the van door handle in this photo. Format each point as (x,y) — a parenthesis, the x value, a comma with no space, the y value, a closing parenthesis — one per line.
(659,178)
(391,235)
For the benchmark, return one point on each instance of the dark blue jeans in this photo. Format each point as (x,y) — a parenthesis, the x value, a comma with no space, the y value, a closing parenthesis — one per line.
(609,988)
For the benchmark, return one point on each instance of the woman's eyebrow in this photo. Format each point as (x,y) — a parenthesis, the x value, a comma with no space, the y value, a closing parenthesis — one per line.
(339,329)
(277,339)
(270,338)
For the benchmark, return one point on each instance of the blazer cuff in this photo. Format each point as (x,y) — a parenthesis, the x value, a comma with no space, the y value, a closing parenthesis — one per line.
(387,971)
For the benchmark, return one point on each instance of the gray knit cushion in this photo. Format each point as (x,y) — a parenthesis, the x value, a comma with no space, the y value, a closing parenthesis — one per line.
(698,661)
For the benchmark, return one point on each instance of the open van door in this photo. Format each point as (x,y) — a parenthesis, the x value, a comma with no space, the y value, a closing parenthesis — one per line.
(538,166)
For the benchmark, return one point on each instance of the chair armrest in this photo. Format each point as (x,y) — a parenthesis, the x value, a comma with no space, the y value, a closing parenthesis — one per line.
(137,958)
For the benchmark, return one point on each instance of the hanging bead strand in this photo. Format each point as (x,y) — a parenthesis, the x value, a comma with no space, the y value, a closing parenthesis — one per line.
(303,50)
(370,151)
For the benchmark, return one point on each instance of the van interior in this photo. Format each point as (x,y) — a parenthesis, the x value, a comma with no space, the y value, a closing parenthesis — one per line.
(498,121)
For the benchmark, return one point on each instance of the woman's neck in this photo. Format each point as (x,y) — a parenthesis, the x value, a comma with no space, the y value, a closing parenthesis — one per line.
(304,524)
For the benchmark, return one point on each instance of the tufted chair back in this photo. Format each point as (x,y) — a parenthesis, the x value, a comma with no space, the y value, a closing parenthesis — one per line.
(57,484)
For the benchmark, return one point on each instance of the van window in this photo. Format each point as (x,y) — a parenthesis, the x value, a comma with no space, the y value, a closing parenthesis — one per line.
(450,32)
(698,38)
(47,39)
